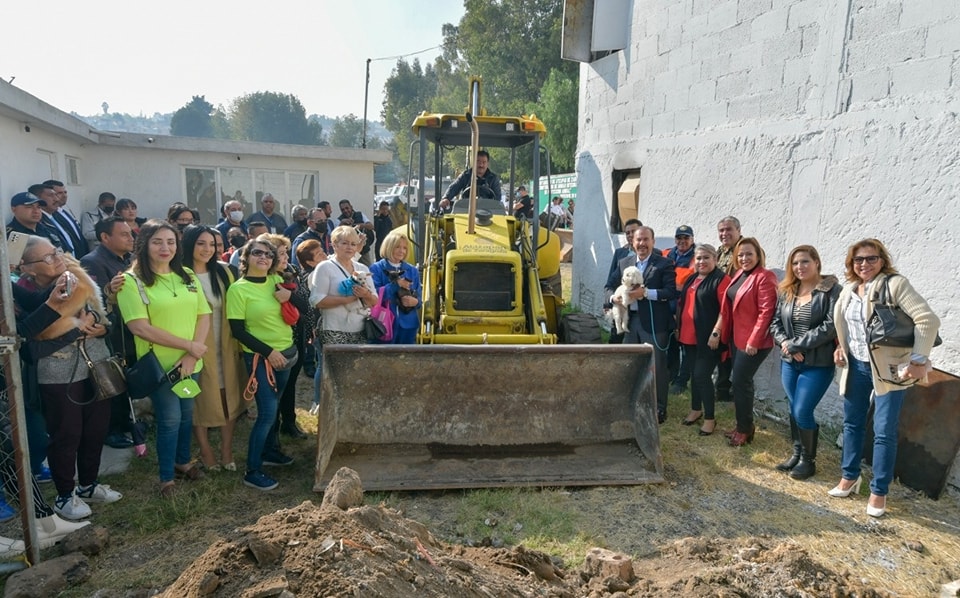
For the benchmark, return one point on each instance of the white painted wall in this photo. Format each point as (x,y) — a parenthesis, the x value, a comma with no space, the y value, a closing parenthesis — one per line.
(812,121)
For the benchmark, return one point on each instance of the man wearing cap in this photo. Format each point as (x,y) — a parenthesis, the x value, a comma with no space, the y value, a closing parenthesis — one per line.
(49,207)
(682,256)
(68,222)
(27,218)
(524,204)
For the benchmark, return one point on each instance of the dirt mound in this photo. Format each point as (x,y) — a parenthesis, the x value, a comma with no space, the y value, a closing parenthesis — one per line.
(345,549)
(375,551)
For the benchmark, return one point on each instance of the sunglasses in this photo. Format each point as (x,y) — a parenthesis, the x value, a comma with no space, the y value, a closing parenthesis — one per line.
(261,253)
(870,259)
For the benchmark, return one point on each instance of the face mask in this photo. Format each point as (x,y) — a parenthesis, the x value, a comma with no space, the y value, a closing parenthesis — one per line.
(301,221)
(237,242)
(107,209)
(236,215)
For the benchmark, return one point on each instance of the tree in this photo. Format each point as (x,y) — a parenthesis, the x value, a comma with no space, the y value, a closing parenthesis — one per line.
(558,111)
(272,117)
(408,91)
(347,132)
(194,119)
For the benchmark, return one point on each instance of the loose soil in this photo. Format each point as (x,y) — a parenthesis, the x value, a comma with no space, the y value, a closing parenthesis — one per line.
(312,550)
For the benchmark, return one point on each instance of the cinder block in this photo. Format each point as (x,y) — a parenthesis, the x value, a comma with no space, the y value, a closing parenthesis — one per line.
(677,13)
(747,10)
(735,37)
(744,108)
(874,22)
(680,56)
(745,58)
(765,78)
(887,50)
(694,28)
(708,45)
(643,127)
(732,85)
(796,71)
(686,120)
(870,86)
(688,75)
(772,23)
(703,93)
(919,76)
(723,16)
(712,116)
(677,98)
(778,49)
(804,13)
(779,104)
(917,13)
(668,40)
(663,124)
(942,38)
(664,82)
(647,46)
(809,39)
(623,130)
(701,7)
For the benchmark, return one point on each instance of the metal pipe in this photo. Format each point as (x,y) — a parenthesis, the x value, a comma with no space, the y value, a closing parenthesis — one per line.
(474,148)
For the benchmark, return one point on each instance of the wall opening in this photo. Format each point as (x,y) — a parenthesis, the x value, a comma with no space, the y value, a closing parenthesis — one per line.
(626,198)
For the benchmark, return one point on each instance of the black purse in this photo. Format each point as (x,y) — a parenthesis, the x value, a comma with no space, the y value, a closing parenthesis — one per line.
(890,326)
(107,374)
(146,375)
(373,329)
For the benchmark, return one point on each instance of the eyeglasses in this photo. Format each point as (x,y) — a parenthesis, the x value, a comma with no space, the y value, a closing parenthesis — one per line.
(261,253)
(48,259)
(870,259)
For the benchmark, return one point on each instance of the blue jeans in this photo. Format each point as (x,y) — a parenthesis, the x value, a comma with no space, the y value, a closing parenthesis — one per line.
(263,434)
(886,419)
(174,419)
(805,385)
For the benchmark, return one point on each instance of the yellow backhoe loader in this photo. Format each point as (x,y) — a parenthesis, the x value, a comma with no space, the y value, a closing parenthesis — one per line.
(487,397)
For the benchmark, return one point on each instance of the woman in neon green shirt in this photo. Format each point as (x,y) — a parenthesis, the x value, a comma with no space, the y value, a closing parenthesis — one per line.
(170,315)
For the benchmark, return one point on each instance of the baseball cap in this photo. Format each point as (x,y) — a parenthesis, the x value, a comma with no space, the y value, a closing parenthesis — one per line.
(683,231)
(26,198)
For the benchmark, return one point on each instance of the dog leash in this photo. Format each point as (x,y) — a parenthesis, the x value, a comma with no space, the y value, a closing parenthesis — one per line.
(250,392)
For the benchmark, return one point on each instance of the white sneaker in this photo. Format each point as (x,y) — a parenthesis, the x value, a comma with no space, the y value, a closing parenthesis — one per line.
(314,408)
(10,547)
(71,507)
(98,493)
(52,529)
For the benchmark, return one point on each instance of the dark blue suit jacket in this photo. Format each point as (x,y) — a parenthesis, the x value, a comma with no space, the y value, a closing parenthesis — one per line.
(661,276)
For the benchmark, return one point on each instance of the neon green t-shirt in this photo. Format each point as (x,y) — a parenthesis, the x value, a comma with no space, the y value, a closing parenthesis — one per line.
(174,307)
(254,303)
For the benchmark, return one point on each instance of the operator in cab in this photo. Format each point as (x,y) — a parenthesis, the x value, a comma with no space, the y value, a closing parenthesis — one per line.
(488,183)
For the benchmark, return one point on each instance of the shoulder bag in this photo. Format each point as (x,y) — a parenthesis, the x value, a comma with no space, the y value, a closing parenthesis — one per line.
(890,326)
(108,376)
(382,313)
(146,375)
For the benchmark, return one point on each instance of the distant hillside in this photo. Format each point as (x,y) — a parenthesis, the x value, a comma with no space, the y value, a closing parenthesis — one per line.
(159,124)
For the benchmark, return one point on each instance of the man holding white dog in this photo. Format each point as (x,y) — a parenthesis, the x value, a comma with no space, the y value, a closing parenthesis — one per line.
(651,320)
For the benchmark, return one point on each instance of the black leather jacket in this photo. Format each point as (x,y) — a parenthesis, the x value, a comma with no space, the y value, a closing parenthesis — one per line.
(818,343)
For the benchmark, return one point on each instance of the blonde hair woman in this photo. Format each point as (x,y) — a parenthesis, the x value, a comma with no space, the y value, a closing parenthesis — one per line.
(336,289)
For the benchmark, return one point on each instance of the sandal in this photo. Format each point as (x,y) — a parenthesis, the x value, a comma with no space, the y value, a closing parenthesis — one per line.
(231,466)
(192,473)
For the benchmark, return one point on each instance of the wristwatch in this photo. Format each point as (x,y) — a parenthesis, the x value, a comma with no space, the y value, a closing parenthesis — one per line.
(715,334)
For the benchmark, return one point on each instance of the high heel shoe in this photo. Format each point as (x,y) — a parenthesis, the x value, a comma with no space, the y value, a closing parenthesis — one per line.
(839,492)
(703,432)
(877,511)
(742,438)
(690,422)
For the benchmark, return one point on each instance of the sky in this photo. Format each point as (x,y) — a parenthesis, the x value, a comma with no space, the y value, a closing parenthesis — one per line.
(144,58)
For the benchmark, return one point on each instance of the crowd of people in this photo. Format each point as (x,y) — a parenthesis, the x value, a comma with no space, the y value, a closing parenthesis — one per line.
(235,310)
(713,315)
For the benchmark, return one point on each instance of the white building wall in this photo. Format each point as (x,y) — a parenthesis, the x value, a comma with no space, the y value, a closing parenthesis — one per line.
(812,121)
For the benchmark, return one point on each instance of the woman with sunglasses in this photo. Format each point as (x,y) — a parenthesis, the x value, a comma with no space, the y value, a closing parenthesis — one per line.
(76,421)
(220,400)
(163,305)
(884,371)
(253,310)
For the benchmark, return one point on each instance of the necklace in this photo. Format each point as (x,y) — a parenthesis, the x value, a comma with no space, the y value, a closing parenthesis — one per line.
(170,285)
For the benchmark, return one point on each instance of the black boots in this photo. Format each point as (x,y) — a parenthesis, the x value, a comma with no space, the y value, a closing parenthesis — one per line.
(793,459)
(808,455)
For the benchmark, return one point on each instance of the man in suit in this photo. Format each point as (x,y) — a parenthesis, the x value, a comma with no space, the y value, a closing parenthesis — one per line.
(64,216)
(613,274)
(651,320)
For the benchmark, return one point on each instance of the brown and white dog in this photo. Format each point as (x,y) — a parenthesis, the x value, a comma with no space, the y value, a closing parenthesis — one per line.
(631,279)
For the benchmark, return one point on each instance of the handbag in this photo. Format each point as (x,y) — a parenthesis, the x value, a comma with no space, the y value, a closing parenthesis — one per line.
(289,311)
(373,329)
(382,313)
(146,375)
(890,326)
(108,376)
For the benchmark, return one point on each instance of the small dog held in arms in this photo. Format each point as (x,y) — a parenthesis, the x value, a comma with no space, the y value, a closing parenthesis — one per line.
(346,289)
(631,279)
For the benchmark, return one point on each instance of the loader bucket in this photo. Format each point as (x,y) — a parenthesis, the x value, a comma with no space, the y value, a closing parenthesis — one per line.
(419,417)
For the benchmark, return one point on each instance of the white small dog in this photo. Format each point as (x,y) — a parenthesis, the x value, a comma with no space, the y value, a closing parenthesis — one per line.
(631,279)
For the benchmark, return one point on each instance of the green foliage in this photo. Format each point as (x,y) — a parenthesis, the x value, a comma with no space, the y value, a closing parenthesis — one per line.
(272,117)
(558,111)
(195,119)
(514,46)
(509,514)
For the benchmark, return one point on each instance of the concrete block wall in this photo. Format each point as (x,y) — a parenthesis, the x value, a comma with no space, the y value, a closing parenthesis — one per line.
(813,121)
